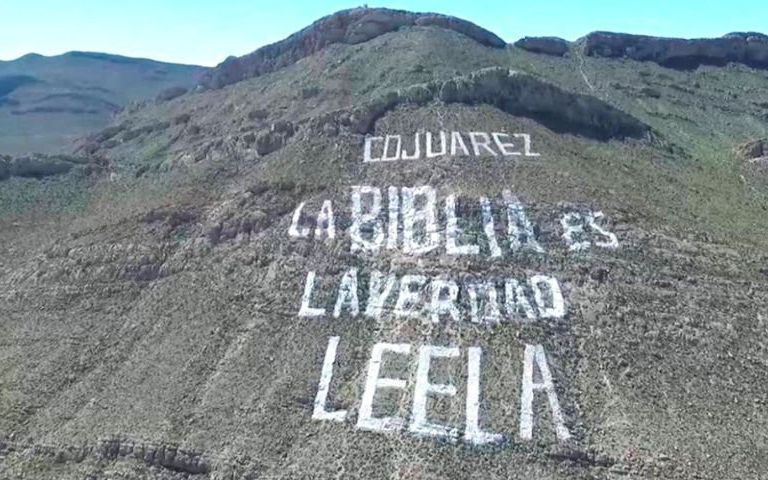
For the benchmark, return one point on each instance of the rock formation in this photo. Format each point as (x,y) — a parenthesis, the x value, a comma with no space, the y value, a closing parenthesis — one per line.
(752,150)
(515,93)
(547,45)
(38,165)
(348,26)
(748,48)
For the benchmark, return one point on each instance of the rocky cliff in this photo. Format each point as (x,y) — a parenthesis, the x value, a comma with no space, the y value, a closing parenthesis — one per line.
(347,27)
(746,48)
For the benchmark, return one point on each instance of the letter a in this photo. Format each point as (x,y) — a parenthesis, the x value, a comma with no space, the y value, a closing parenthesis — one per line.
(535,353)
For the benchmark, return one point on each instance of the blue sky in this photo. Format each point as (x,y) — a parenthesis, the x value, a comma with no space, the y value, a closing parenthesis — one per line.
(206,31)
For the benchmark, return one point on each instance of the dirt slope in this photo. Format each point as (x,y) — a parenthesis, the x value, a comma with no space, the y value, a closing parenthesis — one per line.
(572,285)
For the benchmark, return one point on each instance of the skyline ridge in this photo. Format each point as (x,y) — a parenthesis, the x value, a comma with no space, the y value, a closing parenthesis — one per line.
(206,34)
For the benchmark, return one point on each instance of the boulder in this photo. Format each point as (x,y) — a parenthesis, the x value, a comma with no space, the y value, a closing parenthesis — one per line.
(650,92)
(169,94)
(753,149)
(258,114)
(182,119)
(747,48)
(347,26)
(275,138)
(547,45)
(38,166)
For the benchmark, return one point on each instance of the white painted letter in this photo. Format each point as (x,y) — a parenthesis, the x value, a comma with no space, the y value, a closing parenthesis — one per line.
(416,149)
(443,145)
(515,300)
(325,217)
(519,228)
(385,157)
(612,241)
(408,297)
(371,217)
(557,307)
(490,313)
(393,207)
(488,228)
(347,294)
(419,424)
(320,413)
(427,215)
(440,305)
(294,230)
(305,310)
(485,143)
(473,434)
(572,226)
(536,353)
(367,150)
(505,148)
(452,231)
(378,294)
(365,419)
(527,144)
(456,143)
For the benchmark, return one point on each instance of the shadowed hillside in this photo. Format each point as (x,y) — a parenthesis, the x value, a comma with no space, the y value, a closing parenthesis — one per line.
(47,102)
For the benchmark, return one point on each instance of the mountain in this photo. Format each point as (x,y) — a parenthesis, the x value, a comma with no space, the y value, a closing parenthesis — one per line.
(47,102)
(393,246)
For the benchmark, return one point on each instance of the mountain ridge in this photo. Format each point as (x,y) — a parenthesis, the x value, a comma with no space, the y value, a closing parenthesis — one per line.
(46,102)
(416,256)
(96,55)
(346,26)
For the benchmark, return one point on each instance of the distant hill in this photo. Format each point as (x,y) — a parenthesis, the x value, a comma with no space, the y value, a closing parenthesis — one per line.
(46,102)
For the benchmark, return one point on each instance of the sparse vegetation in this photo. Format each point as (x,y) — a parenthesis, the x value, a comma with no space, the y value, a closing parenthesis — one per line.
(151,300)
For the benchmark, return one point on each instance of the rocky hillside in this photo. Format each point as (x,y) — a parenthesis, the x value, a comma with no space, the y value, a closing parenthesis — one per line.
(47,102)
(749,48)
(391,247)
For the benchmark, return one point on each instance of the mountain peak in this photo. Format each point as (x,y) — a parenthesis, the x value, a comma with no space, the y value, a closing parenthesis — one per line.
(347,27)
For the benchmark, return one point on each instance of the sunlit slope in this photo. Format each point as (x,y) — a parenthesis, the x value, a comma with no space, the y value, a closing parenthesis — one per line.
(251,284)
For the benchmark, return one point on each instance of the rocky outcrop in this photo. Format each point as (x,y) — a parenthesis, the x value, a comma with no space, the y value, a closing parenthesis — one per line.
(547,45)
(747,35)
(38,165)
(154,127)
(275,138)
(515,93)
(169,94)
(347,26)
(5,170)
(753,150)
(165,456)
(747,48)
